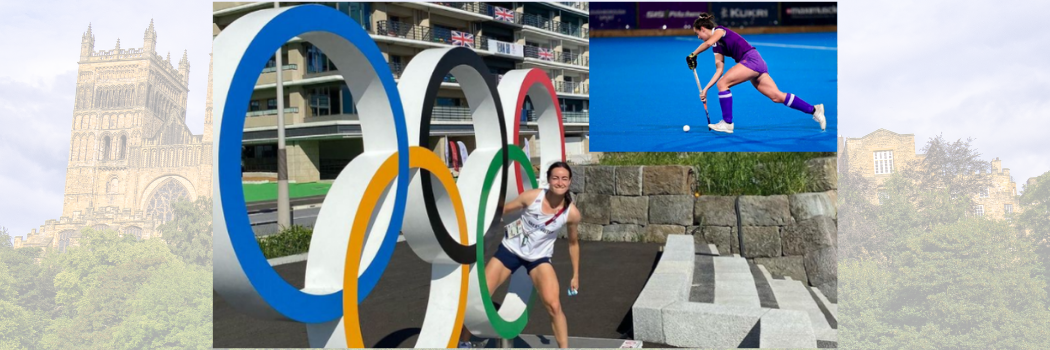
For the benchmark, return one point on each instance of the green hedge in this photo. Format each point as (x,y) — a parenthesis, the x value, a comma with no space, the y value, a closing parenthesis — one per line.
(290,241)
(734,173)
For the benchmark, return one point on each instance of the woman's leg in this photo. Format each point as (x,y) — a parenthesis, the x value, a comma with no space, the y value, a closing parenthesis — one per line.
(765,84)
(495,274)
(546,283)
(736,75)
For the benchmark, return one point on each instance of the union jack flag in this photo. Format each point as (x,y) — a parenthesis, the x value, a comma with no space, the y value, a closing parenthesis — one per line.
(546,54)
(462,39)
(503,14)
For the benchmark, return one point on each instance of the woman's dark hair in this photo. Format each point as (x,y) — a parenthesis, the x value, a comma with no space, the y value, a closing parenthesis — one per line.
(706,20)
(550,172)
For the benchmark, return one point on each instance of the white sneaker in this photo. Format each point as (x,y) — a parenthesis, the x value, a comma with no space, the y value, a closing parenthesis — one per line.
(818,115)
(722,126)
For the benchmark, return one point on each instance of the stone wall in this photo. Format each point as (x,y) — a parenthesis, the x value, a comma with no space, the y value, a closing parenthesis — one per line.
(792,235)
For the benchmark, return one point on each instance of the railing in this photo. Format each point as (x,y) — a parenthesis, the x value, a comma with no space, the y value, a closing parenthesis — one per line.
(285,67)
(552,25)
(575,117)
(556,56)
(577,5)
(572,87)
(272,112)
(566,117)
(451,113)
(397,69)
(473,7)
(423,33)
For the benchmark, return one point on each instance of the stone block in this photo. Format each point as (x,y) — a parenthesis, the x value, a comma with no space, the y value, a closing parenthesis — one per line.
(715,211)
(660,291)
(762,241)
(764,211)
(809,235)
(722,237)
(579,178)
(672,210)
(594,208)
(822,269)
(622,233)
(824,173)
(590,232)
(702,325)
(628,180)
(791,266)
(629,210)
(807,205)
(659,233)
(667,180)
(601,180)
(786,329)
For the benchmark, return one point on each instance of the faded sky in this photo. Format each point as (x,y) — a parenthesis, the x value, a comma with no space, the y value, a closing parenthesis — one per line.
(38,81)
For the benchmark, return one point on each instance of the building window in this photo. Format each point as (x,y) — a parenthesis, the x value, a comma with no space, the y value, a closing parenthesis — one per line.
(317,61)
(882,196)
(324,101)
(253,106)
(1008,208)
(984,192)
(978,210)
(883,162)
(271,104)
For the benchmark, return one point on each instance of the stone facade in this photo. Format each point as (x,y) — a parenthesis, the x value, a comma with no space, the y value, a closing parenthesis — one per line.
(859,154)
(792,235)
(131,153)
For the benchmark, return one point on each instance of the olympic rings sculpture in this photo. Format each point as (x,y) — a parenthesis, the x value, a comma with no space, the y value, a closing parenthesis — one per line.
(397,185)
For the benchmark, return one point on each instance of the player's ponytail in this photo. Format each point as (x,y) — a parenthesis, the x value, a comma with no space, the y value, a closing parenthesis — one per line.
(706,20)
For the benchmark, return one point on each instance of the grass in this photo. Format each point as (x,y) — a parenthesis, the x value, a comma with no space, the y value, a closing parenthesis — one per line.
(290,241)
(268,191)
(734,173)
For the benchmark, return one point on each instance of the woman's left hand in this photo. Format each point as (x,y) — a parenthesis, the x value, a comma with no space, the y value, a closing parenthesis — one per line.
(575,283)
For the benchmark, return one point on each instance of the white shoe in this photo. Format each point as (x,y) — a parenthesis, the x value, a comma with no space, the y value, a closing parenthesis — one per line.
(818,115)
(722,126)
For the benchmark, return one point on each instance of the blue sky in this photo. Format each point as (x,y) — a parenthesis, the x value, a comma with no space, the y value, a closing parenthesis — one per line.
(38,80)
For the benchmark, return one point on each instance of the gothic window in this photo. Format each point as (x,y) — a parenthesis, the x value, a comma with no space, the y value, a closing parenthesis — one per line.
(104,149)
(123,146)
(159,204)
(100,227)
(133,231)
(63,240)
(111,186)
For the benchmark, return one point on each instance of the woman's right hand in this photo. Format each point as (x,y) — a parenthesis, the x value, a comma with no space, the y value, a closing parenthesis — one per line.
(703,95)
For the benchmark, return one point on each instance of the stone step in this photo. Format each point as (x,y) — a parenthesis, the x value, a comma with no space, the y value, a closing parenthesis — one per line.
(792,295)
(734,283)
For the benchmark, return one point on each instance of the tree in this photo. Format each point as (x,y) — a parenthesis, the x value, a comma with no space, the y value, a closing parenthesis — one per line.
(969,285)
(172,309)
(1034,219)
(189,233)
(5,239)
(952,166)
(857,217)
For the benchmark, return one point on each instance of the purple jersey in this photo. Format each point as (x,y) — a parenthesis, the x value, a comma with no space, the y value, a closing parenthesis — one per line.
(732,44)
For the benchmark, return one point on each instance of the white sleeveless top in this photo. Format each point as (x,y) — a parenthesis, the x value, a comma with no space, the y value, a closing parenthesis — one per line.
(537,241)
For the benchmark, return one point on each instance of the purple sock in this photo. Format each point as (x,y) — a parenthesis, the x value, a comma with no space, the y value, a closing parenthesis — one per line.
(797,103)
(725,99)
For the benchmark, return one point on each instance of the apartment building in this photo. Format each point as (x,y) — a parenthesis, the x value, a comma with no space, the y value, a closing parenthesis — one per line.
(322,129)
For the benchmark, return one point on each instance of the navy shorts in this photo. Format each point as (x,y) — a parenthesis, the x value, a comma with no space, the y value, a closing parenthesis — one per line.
(513,262)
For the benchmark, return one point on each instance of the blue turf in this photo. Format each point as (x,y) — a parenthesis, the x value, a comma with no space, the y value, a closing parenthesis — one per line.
(642,93)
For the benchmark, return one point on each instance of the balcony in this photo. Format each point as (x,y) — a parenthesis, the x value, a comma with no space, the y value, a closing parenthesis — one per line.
(287,110)
(572,87)
(553,26)
(284,67)
(582,6)
(566,117)
(575,59)
(472,7)
(424,34)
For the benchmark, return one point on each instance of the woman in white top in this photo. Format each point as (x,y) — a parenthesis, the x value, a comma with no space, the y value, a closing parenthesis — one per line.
(546,211)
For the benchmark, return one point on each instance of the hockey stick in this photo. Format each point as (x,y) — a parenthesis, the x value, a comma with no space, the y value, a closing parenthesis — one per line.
(705,102)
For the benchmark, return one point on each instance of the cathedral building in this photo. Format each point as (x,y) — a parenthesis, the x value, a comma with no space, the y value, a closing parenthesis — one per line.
(131,154)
